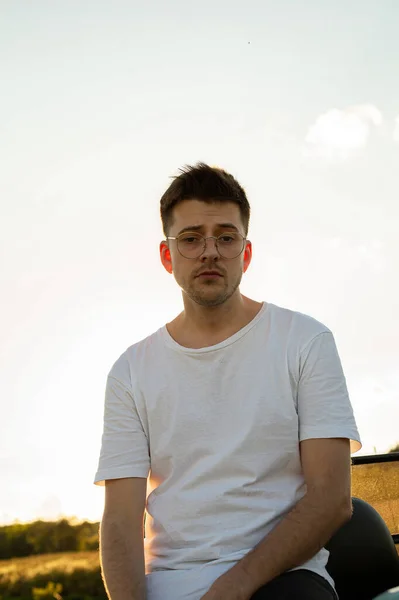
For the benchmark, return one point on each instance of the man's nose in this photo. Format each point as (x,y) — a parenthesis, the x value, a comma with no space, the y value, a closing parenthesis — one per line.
(210,248)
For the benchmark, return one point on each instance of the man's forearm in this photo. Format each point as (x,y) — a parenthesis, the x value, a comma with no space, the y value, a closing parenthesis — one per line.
(296,539)
(122,559)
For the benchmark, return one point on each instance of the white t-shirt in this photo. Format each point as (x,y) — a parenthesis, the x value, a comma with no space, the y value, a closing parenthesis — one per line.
(217,432)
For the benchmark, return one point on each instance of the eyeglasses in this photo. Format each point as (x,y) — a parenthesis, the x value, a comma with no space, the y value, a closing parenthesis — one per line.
(192,245)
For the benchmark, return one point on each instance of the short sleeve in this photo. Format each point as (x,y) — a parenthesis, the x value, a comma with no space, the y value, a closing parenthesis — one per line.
(124,447)
(324,407)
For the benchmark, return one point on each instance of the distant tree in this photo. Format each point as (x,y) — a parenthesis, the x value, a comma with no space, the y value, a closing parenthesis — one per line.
(63,536)
(45,537)
(39,537)
(15,542)
(87,536)
(395,448)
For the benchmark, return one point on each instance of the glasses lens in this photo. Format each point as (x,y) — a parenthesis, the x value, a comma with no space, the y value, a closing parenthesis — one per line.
(230,245)
(190,245)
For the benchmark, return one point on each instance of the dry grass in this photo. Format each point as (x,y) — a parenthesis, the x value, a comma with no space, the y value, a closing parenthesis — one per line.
(378,484)
(16,568)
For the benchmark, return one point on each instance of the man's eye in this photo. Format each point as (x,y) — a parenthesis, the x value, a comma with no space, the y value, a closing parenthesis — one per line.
(227,238)
(190,239)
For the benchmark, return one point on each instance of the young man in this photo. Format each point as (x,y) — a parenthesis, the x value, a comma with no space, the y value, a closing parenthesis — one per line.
(237,411)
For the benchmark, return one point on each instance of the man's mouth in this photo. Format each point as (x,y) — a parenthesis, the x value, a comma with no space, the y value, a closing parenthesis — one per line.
(210,274)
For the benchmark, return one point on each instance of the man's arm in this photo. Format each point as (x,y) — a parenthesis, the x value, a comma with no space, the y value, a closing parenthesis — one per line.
(304,530)
(122,539)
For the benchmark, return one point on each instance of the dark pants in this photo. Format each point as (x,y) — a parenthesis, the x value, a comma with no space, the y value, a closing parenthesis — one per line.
(299,585)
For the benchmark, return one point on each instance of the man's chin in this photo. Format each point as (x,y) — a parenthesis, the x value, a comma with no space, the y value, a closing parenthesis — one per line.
(208,298)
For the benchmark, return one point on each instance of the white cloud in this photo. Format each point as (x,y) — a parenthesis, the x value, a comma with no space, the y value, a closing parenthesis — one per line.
(340,134)
(396,131)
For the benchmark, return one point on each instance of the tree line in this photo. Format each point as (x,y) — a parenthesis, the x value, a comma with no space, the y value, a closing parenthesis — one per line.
(45,537)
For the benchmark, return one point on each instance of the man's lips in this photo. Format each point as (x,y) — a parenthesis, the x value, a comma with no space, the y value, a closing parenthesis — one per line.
(210,274)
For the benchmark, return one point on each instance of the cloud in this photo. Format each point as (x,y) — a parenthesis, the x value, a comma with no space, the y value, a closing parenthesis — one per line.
(340,134)
(396,131)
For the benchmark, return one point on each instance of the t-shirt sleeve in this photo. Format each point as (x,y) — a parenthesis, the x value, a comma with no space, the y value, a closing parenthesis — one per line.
(124,446)
(324,407)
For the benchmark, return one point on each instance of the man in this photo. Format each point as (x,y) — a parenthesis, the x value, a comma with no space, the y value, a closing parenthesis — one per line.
(238,412)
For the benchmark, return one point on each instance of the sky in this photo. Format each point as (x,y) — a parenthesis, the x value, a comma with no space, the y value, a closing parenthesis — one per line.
(101,104)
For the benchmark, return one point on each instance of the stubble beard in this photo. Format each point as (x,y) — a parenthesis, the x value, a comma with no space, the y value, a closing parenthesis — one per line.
(205,295)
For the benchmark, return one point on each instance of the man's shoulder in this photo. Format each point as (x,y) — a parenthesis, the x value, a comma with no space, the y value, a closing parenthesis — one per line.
(123,366)
(299,326)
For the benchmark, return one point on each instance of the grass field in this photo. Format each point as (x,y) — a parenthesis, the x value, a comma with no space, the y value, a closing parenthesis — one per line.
(77,574)
(45,564)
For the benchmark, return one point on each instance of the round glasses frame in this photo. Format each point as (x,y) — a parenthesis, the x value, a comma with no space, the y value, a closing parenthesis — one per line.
(211,237)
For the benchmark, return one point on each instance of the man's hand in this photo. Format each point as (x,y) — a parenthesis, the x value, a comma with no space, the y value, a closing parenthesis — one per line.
(231,585)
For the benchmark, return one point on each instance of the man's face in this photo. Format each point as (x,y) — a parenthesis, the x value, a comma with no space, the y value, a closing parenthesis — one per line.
(208,220)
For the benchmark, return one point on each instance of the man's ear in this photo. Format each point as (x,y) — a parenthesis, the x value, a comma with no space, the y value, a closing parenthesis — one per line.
(247,255)
(165,255)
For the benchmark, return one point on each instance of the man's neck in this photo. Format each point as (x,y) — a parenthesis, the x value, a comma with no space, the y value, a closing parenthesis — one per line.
(203,328)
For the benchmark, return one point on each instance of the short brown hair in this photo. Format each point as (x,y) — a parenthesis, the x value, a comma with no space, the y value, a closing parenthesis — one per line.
(205,183)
